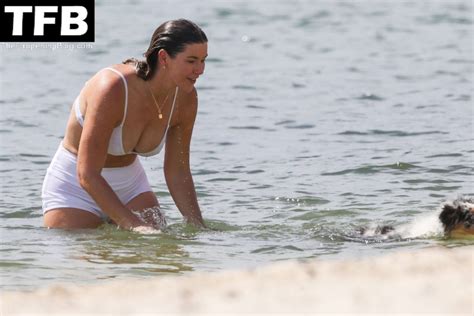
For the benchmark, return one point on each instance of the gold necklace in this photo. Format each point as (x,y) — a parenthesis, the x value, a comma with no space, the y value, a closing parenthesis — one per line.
(160,115)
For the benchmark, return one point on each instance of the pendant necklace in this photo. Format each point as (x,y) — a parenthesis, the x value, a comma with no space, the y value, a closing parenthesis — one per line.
(160,115)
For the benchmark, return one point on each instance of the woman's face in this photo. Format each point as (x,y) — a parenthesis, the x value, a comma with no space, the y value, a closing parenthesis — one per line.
(186,67)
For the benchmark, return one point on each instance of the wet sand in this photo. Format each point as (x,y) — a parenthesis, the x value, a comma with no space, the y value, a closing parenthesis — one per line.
(432,281)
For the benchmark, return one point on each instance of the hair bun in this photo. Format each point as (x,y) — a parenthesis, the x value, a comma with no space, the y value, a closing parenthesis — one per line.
(141,67)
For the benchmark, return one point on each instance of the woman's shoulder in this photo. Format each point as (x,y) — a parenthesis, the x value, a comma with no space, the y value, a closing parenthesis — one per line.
(107,84)
(111,79)
(116,73)
(187,98)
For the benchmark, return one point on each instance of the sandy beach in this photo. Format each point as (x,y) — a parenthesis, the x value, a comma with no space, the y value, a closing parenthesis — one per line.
(433,281)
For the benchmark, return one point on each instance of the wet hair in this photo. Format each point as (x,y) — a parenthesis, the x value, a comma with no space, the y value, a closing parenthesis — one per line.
(172,36)
(456,213)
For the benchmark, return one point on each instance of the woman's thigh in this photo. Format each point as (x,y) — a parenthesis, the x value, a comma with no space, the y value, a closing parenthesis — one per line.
(142,201)
(71,218)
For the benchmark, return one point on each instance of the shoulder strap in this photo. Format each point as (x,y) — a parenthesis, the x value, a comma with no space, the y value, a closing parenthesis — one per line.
(172,107)
(126,92)
(77,109)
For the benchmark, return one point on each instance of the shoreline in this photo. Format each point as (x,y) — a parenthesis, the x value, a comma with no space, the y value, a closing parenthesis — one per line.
(429,281)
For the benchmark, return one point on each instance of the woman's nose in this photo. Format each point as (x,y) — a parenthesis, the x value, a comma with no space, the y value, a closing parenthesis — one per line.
(199,69)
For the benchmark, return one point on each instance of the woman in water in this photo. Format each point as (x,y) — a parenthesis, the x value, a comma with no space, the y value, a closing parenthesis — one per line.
(123,111)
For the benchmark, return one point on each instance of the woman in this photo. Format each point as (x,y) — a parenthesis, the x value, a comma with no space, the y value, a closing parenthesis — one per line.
(123,111)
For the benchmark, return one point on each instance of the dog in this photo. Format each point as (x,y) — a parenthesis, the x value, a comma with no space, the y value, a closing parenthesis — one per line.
(457,218)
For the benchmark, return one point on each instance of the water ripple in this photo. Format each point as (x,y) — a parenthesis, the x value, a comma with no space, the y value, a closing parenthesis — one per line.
(394,133)
(445,155)
(301,126)
(370,97)
(13,100)
(222,179)
(243,87)
(258,107)
(324,214)
(251,127)
(435,188)
(275,249)
(28,213)
(445,18)
(303,200)
(372,169)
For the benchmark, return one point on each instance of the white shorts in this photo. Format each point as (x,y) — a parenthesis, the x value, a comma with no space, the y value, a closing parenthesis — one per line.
(61,186)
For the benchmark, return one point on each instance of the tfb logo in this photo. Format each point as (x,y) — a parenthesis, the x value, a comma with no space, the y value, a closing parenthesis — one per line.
(47,21)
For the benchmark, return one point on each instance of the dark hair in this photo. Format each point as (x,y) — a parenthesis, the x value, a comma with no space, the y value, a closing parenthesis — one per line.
(172,36)
(456,213)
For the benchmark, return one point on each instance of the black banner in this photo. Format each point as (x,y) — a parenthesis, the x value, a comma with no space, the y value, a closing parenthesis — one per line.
(47,21)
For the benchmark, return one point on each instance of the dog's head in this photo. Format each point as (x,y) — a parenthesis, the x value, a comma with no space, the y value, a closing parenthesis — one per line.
(457,217)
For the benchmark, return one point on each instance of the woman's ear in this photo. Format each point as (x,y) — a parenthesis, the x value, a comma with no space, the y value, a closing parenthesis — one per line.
(163,58)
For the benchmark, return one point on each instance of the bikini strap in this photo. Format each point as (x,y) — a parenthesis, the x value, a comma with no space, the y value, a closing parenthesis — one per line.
(172,107)
(77,109)
(126,92)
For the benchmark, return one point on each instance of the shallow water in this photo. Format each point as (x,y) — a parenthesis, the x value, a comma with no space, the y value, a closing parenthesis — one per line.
(315,118)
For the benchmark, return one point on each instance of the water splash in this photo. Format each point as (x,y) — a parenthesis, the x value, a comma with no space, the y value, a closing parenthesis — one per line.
(423,226)
(152,216)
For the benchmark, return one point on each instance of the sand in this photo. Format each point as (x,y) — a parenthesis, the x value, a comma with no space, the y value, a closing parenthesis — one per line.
(432,281)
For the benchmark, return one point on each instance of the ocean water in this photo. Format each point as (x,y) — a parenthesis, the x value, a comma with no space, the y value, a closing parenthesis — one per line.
(316,118)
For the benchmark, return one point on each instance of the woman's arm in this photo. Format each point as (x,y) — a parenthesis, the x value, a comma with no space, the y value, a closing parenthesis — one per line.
(176,166)
(103,114)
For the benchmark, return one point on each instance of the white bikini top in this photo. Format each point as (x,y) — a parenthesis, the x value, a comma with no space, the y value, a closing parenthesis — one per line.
(116,141)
